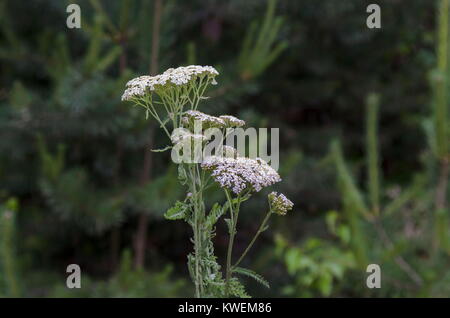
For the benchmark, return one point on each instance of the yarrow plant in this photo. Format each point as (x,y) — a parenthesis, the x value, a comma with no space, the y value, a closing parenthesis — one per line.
(240,174)
(172,99)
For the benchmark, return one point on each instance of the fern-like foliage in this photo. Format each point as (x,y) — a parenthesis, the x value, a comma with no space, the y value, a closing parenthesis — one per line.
(260,47)
(237,289)
(252,274)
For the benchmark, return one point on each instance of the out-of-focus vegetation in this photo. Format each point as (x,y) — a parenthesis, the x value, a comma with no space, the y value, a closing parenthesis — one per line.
(364,144)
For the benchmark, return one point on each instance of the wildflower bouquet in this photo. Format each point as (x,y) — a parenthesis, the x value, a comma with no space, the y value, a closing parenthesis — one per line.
(172,99)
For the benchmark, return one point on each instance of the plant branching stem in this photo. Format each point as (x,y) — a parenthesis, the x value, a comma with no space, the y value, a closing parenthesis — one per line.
(260,230)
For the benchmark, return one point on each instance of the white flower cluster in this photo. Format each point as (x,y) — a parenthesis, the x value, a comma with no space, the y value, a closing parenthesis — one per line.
(137,87)
(232,121)
(279,203)
(228,152)
(238,174)
(206,120)
(176,76)
(183,135)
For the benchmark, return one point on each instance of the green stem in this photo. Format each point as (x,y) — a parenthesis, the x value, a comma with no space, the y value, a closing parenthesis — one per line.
(260,230)
(200,228)
(234,217)
(196,230)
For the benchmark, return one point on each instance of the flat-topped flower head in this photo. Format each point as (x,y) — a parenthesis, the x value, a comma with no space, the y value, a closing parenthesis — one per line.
(179,76)
(184,136)
(184,74)
(138,87)
(279,203)
(207,121)
(232,121)
(239,174)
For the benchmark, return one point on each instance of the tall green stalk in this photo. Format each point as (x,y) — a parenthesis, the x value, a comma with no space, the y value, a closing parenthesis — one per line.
(353,204)
(196,189)
(234,214)
(441,135)
(372,153)
(440,113)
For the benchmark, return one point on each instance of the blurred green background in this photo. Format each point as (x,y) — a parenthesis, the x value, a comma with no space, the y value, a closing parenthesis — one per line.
(364,144)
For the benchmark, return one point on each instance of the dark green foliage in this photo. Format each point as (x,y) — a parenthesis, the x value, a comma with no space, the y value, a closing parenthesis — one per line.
(318,268)
(177,212)
(128,282)
(258,50)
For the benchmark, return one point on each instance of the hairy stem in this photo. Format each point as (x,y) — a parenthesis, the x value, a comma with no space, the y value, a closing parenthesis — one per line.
(234,213)
(197,200)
